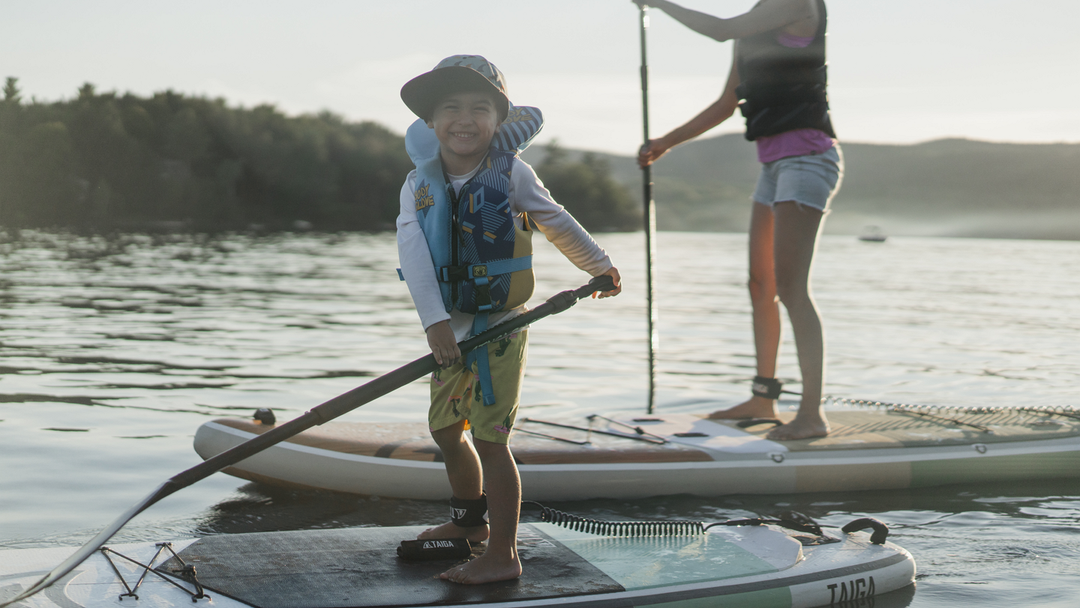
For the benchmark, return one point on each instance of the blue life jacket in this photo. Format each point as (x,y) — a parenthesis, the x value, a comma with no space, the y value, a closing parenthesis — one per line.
(483,261)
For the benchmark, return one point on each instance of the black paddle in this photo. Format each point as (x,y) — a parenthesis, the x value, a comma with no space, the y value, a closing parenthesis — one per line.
(323,413)
(650,218)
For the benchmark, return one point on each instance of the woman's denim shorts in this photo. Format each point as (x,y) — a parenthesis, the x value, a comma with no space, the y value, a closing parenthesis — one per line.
(810,180)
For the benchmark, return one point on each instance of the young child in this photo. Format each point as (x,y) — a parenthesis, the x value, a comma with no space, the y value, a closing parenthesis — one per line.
(463,242)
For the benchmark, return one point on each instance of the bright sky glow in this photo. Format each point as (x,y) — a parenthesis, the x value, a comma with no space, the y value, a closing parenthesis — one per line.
(900,72)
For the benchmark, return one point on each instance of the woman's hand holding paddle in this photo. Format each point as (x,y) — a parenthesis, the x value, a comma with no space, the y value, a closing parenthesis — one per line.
(651,152)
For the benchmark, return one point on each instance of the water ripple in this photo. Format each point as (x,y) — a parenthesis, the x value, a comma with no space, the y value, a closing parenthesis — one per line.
(116,348)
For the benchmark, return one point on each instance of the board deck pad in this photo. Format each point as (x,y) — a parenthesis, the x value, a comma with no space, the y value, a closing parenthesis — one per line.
(865,429)
(359,567)
(660,561)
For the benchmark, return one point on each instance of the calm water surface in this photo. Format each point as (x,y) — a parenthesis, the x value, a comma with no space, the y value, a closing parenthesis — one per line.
(113,351)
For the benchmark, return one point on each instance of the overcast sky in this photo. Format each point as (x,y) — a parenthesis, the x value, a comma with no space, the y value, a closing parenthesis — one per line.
(900,72)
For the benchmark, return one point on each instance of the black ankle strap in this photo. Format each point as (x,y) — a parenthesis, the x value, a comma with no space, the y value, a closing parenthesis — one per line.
(769,388)
(468,513)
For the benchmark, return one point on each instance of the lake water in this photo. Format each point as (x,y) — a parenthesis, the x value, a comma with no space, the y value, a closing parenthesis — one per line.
(115,350)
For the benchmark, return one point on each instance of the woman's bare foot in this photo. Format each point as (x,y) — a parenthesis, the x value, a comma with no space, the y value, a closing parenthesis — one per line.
(487,568)
(756,407)
(475,534)
(801,427)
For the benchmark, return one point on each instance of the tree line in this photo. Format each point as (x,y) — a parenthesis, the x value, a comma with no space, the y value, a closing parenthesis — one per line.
(107,162)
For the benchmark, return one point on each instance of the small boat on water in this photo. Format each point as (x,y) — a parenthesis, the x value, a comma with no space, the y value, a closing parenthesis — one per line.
(872,234)
(734,564)
(869,448)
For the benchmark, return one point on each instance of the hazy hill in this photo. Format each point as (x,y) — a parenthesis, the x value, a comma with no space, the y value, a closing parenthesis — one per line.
(947,187)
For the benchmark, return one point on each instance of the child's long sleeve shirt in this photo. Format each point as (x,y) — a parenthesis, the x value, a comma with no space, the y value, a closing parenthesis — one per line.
(527,196)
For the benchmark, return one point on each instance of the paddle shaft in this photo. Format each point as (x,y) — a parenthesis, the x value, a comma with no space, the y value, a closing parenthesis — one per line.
(325,412)
(650,218)
(380,386)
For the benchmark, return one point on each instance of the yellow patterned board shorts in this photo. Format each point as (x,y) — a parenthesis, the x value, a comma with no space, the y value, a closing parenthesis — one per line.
(456,396)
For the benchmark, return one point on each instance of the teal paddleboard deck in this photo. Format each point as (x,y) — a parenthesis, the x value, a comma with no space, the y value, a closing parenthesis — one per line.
(359,568)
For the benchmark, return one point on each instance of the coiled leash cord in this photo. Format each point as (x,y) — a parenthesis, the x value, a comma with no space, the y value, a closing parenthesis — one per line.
(791,521)
(617,528)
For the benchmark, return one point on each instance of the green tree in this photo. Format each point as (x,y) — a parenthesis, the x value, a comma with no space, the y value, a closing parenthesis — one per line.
(588,191)
(47,186)
(103,161)
(10,114)
(11,90)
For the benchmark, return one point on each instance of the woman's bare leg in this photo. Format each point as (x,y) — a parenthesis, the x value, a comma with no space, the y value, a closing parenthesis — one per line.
(796,229)
(766,313)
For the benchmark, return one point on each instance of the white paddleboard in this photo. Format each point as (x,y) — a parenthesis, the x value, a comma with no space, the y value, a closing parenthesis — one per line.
(674,454)
(359,568)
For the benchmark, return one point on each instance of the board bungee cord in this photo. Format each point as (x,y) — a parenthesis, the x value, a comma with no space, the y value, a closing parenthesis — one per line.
(1067,411)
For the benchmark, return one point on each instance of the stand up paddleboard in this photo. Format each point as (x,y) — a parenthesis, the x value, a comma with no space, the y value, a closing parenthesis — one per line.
(754,565)
(868,449)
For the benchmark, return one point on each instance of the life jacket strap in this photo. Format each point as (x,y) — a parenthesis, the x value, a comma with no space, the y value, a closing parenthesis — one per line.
(480,357)
(482,294)
(451,274)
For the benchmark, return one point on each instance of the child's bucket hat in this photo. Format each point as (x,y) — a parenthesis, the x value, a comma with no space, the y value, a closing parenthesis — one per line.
(457,73)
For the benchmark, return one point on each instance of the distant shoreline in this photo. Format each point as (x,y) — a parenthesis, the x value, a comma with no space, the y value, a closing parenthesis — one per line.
(945,187)
(106,162)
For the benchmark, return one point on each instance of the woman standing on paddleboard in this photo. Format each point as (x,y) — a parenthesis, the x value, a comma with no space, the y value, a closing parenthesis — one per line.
(779,73)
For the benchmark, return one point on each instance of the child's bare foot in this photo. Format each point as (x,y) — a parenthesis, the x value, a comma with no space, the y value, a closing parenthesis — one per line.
(756,407)
(487,568)
(475,534)
(801,427)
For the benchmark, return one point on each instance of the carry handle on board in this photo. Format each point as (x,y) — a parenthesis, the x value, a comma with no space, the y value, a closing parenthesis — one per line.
(323,413)
(881,531)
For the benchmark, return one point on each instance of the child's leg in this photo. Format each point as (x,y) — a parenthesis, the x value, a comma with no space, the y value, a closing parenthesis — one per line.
(466,480)
(451,393)
(491,428)
(500,561)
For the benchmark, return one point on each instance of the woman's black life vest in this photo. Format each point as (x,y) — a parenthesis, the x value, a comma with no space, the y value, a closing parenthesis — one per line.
(783,88)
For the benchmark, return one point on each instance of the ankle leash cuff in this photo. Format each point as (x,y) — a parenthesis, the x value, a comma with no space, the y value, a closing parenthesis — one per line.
(769,388)
(468,513)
